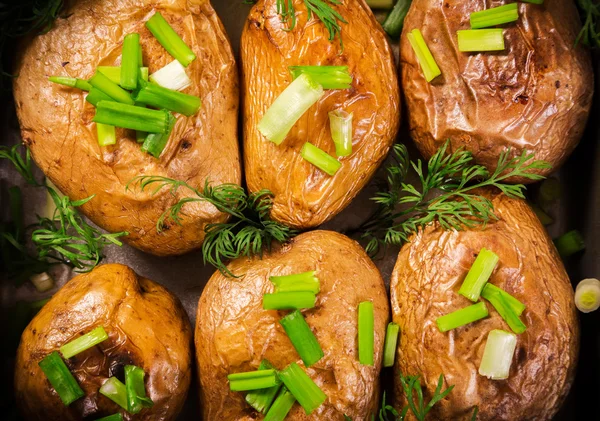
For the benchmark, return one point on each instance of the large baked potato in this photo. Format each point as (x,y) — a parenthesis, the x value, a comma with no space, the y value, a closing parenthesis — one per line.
(234,333)
(56,122)
(535,95)
(424,286)
(304,195)
(147,327)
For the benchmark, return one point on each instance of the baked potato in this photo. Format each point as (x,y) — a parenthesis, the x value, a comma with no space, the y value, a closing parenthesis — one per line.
(56,121)
(147,327)
(234,333)
(424,286)
(534,96)
(304,195)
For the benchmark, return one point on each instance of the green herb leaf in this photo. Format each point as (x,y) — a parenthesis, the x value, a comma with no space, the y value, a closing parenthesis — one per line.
(590,32)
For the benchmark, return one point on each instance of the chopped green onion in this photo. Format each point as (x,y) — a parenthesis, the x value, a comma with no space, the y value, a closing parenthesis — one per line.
(289,106)
(366,333)
(302,338)
(140,137)
(549,192)
(84,342)
(132,117)
(136,390)
(515,305)
(329,77)
(533,1)
(96,95)
(306,392)
(498,355)
(320,159)
(587,295)
(424,56)
(154,143)
(114,73)
(71,82)
(261,399)
(473,40)
(130,61)
(495,16)
(281,407)
(289,300)
(395,20)
(544,218)
(505,310)
(157,96)
(114,417)
(299,282)
(61,378)
(340,123)
(169,39)
(111,89)
(380,4)
(107,135)
(479,274)
(253,380)
(391,341)
(462,317)
(172,76)
(116,391)
(569,244)
(42,282)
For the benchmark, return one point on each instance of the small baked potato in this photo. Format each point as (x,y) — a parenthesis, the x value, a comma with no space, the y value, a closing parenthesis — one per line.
(146,327)
(305,196)
(234,333)
(424,286)
(535,95)
(56,121)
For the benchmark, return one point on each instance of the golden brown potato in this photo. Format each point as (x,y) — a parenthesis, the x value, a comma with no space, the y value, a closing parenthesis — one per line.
(146,327)
(56,122)
(304,195)
(535,95)
(234,333)
(424,286)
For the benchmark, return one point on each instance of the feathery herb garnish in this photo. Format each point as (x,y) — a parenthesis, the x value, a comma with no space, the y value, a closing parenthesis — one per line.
(412,385)
(247,233)
(590,32)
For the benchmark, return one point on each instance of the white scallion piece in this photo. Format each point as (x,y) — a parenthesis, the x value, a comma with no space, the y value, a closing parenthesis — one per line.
(498,355)
(172,76)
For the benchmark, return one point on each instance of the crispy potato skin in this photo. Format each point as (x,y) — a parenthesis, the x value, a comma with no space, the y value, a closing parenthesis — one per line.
(147,327)
(304,195)
(56,122)
(534,96)
(424,286)
(234,333)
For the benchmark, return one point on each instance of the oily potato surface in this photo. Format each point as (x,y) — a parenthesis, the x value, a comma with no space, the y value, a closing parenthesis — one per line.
(424,286)
(56,121)
(304,195)
(146,327)
(234,333)
(534,96)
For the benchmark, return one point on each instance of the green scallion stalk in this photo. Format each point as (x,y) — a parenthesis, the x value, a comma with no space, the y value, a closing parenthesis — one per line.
(462,317)
(114,73)
(340,123)
(587,295)
(474,40)
(302,338)
(395,20)
(114,417)
(495,16)
(533,1)
(380,4)
(569,244)
(154,143)
(136,390)
(132,117)
(479,274)
(159,97)
(498,355)
(289,300)
(299,282)
(261,399)
(307,393)
(71,82)
(168,38)
(505,311)
(61,378)
(329,77)
(424,57)
(289,106)
(391,341)
(515,305)
(281,407)
(130,61)
(111,89)
(253,380)
(116,391)
(366,333)
(320,159)
(84,342)
(96,95)
(549,192)
(107,135)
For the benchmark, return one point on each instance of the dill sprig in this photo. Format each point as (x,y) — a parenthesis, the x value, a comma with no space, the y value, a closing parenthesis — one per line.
(590,31)
(249,231)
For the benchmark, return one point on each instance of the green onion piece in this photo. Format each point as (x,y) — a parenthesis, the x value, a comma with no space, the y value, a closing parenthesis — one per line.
(169,39)
(116,391)
(424,56)
(391,341)
(130,61)
(261,399)
(302,338)
(340,123)
(114,417)
(96,95)
(320,159)
(473,40)
(462,317)
(587,295)
(111,89)
(253,380)
(479,274)
(300,282)
(366,333)
(172,76)
(136,390)
(289,106)
(282,405)
(159,97)
(84,342)
(42,282)
(544,218)
(155,143)
(495,16)
(306,392)
(549,193)
(569,244)
(132,117)
(107,135)
(533,1)
(498,355)
(380,4)
(114,73)
(395,20)
(329,77)
(505,311)
(61,378)
(515,305)
(140,137)
(71,82)
(289,300)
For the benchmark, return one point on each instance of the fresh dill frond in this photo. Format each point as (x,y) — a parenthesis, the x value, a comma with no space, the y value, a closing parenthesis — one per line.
(590,31)
(22,165)
(411,385)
